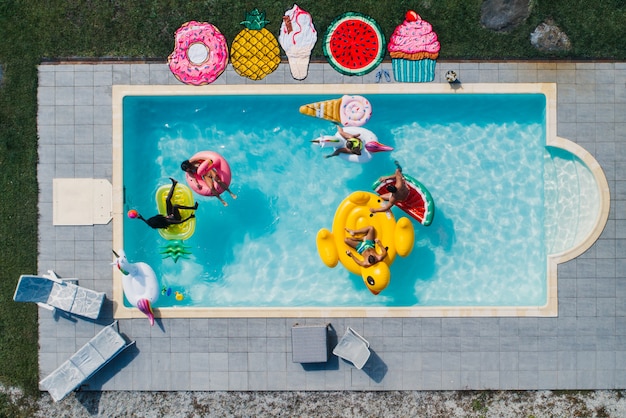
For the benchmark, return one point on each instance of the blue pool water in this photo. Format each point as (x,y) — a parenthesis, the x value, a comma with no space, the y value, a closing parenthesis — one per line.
(481,157)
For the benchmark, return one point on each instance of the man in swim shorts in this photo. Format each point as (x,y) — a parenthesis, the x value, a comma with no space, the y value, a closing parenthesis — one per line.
(173,213)
(364,242)
(397,192)
(354,145)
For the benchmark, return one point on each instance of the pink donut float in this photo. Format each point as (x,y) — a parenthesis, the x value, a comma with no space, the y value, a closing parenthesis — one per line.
(200,53)
(208,160)
(355,110)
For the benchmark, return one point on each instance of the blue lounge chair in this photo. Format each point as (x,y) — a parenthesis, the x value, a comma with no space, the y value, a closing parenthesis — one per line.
(50,292)
(86,362)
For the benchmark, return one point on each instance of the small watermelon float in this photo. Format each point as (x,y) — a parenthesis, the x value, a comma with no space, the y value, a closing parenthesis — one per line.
(419,204)
(354,44)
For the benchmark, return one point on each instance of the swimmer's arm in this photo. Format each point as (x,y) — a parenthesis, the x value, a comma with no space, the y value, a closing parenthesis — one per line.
(347,135)
(383,249)
(356,260)
(173,221)
(394,176)
(383,208)
(143,219)
(188,217)
(381,179)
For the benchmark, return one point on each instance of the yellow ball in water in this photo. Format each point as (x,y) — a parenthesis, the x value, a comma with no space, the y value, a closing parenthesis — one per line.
(179,296)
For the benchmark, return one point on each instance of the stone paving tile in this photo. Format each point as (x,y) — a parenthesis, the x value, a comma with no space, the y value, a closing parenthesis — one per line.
(580,349)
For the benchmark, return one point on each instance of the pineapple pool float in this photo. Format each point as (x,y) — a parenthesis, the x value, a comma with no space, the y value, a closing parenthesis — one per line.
(255,52)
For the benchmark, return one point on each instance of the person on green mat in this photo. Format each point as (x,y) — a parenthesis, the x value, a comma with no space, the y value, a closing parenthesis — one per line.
(173,217)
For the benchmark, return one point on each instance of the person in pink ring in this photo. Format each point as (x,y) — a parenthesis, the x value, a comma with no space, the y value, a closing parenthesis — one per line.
(210,177)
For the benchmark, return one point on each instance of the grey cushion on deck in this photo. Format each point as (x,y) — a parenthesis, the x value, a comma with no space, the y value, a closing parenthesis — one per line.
(309,343)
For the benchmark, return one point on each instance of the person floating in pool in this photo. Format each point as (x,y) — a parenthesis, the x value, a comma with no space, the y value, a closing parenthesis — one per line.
(364,242)
(173,212)
(354,144)
(397,191)
(211,177)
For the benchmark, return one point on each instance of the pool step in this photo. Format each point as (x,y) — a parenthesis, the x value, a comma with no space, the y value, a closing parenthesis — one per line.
(571,200)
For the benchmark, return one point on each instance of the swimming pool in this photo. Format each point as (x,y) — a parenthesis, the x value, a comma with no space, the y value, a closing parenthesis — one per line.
(482,154)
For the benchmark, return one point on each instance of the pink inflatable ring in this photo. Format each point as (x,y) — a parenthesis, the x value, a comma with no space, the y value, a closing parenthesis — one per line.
(200,53)
(208,160)
(355,110)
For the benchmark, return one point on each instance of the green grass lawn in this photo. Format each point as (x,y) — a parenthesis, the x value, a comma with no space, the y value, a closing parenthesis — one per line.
(33,30)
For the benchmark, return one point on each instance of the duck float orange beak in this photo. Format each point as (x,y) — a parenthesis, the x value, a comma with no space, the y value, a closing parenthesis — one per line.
(354,213)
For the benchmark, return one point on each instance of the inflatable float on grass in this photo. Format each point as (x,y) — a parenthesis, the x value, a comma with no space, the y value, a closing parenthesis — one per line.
(139,283)
(182,197)
(200,53)
(354,44)
(354,213)
(254,53)
(346,110)
(370,141)
(419,204)
(297,37)
(208,160)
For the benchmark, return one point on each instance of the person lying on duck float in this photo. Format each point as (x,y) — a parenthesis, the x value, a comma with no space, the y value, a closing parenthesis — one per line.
(365,245)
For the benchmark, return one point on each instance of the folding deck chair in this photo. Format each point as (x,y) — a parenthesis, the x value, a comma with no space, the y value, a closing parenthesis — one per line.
(86,362)
(354,348)
(50,292)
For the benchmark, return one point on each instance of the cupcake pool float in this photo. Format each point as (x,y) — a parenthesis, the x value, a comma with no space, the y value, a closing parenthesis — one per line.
(200,53)
(354,44)
(414,49)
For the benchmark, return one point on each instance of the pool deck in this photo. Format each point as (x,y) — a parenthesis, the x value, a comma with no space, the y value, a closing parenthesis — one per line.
(584,347)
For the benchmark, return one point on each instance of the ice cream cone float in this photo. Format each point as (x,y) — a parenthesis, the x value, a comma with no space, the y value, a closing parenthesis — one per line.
(327,109)
(349,110)
(297,38)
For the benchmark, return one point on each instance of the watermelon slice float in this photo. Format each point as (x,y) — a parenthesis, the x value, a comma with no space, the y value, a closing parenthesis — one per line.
(354,44)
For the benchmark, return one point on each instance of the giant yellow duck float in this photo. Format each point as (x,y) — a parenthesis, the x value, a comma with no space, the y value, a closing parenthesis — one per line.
(354,213)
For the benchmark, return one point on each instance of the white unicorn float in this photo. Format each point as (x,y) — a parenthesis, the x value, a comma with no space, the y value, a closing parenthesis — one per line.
(139,283)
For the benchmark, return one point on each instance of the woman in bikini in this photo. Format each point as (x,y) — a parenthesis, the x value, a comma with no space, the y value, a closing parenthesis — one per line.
(354,145)
(210,178)
(173,216)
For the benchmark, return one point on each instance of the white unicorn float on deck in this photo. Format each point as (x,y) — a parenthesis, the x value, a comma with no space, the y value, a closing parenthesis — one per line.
(139,283)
